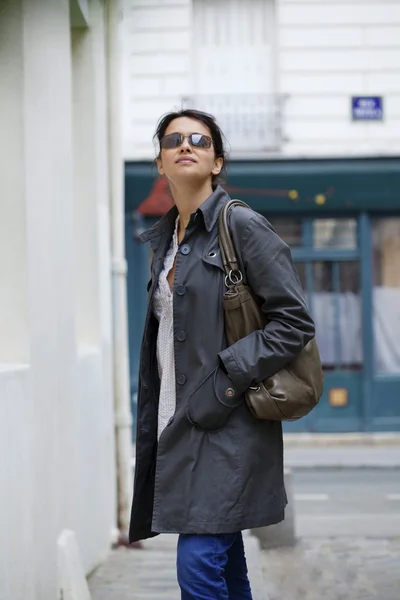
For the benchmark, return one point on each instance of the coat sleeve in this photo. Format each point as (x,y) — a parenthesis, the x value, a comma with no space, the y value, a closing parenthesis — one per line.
(272,276)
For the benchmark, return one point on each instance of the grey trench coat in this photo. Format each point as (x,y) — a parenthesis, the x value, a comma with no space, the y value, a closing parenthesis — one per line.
(216,469)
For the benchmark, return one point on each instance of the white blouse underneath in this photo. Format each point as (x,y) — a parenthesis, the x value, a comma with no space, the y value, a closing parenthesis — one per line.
(163,310)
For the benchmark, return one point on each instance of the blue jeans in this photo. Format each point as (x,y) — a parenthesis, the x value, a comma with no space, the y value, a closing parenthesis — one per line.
(212,567)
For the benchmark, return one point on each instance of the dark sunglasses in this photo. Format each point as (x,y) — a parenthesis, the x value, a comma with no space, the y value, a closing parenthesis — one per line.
(196,140)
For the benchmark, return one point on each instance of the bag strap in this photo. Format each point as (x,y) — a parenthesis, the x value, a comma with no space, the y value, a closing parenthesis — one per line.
(227,248)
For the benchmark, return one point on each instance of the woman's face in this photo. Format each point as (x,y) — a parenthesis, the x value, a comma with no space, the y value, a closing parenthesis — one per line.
(186,163)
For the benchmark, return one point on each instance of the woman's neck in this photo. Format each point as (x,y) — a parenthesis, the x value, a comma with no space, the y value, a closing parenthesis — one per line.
(188,200)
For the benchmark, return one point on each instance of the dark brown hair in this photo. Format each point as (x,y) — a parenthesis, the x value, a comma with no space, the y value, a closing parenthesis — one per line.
(210,122)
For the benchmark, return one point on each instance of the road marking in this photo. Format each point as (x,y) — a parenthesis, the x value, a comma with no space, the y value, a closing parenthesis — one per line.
(368,524)
(311,497)
(393,497)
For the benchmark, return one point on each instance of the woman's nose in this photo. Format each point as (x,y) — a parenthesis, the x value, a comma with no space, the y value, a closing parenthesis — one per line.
(185,146)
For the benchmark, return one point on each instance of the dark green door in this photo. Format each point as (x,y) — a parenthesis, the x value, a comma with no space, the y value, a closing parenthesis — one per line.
(326,252)
(333,291)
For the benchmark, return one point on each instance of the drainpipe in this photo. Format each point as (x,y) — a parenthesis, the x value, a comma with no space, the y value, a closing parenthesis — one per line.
(122,409)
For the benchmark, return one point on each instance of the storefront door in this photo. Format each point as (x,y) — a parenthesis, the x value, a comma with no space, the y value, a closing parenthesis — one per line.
(327,257)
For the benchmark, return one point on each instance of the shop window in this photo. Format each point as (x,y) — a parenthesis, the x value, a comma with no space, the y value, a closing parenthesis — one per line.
(349,315)
(335,233)
(386,294)
(335,302)
(289,230)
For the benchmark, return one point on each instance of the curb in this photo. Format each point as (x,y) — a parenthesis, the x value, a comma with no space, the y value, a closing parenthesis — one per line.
(342,457)
(341,465)
(341,439)
(253,557)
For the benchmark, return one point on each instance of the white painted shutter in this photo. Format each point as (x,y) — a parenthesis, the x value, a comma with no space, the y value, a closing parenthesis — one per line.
(232,70)
(232,46)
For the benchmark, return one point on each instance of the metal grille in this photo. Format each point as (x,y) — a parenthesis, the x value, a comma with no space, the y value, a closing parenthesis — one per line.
(251,122)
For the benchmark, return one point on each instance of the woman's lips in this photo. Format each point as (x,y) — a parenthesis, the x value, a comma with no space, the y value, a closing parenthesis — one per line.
(186,161)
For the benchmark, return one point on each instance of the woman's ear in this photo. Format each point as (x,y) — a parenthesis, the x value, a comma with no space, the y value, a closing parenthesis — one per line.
(218,164)
(160,167)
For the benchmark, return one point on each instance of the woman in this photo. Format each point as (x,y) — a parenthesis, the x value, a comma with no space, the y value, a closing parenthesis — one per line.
(205,467)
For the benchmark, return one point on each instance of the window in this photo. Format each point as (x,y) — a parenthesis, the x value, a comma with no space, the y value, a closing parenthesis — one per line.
(233,62)
(333,293)
(386,294)
(335,233)
(289,230)
(336,305)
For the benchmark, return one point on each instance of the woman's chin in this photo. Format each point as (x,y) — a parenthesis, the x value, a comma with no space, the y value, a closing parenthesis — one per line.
(187,175)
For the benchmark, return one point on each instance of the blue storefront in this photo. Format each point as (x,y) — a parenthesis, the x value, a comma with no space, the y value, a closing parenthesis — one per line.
(342,221)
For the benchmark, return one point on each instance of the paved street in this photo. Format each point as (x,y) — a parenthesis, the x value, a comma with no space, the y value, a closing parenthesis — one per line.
(348,528)
(347,502)
(334,569)
(342,519)
(342,455)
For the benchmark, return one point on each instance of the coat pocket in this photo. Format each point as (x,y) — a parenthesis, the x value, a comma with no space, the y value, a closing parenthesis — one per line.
(213,401)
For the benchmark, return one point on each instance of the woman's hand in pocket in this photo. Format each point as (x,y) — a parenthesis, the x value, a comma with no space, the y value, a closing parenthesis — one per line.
(213,401)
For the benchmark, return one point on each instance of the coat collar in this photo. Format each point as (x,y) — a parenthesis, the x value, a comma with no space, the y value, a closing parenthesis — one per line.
(209,209)
(164,226)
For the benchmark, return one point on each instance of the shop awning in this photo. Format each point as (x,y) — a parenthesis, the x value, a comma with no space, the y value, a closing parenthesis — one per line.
(281,186)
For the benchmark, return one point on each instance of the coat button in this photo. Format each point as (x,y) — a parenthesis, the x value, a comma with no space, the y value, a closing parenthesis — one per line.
(180,290)
(186,249)
(230,392)
(181,379)
(181,336)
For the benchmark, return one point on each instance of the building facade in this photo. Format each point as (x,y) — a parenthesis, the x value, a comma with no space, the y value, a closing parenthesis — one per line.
(308,95)
(56,395)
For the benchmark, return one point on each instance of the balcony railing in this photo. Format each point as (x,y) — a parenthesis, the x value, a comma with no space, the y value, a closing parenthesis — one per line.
(251,122)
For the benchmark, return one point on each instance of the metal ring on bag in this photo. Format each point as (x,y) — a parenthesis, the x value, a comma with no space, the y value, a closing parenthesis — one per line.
(233,278)
(255,388)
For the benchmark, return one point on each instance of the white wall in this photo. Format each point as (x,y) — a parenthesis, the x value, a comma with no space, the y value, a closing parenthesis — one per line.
(16,484)
(325,52)
(14,343)
(56,426)
(331,50)
(156,64)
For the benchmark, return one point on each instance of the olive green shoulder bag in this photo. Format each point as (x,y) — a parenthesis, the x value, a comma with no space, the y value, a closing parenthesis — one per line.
(292,392)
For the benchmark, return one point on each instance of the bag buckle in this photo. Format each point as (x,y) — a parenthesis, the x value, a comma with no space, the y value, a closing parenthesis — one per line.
(233,278)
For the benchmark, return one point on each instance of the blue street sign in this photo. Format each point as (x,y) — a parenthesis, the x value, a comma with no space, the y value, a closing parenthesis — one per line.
(367,108)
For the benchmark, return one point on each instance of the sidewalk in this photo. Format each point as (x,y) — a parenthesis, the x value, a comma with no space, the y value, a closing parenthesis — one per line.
(149,574)
(342,450)
(334,569)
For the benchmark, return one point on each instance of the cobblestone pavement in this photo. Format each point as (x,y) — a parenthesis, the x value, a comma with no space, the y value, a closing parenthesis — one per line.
(334,569)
